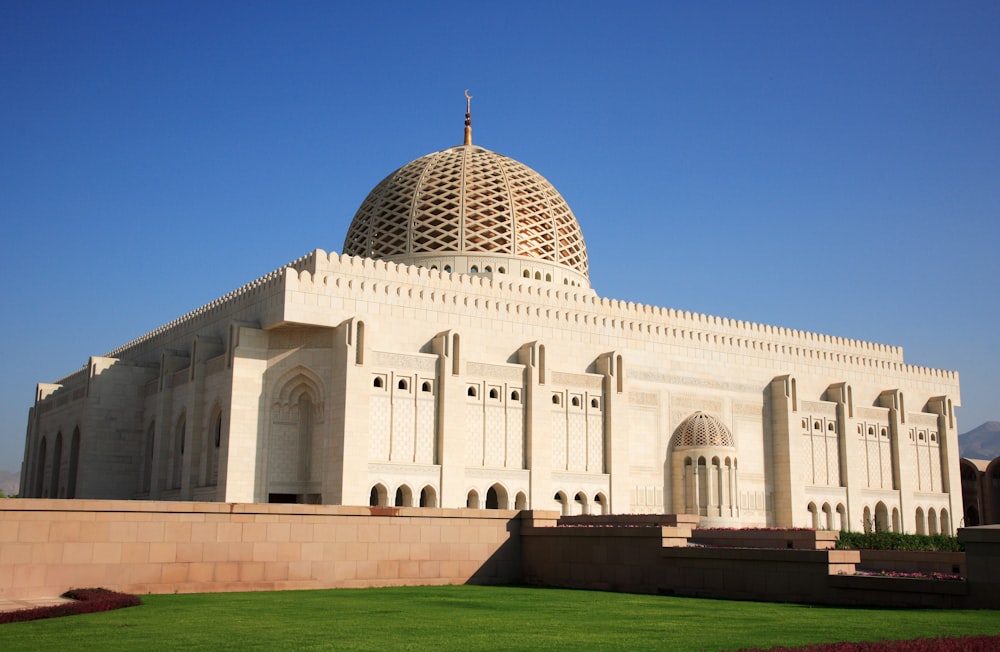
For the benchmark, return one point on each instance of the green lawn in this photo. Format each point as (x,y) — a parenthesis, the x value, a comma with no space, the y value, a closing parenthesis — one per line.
(474,618)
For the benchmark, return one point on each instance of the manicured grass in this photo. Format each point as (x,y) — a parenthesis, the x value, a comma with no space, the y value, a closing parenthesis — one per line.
(475,618)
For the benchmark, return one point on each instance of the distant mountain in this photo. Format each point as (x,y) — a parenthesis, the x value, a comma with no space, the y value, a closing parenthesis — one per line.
(10,483)
(982,443)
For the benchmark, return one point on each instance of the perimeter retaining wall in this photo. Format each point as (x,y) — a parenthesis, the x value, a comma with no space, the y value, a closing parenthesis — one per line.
(49,546)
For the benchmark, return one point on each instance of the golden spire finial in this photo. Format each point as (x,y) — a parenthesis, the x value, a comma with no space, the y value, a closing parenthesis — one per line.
(468,117)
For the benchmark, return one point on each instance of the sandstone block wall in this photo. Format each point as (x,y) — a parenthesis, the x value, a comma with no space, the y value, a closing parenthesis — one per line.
(49,546)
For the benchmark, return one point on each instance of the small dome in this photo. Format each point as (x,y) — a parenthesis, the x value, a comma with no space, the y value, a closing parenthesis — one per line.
(476,206)
(702,430)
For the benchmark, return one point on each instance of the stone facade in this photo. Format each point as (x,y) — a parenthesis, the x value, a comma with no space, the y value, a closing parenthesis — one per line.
(498,379)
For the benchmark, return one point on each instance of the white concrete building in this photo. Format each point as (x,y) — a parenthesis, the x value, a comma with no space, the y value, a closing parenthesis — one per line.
(456,355)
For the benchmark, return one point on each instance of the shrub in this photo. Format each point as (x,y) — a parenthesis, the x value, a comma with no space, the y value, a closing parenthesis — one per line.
(897,541)
(85,601)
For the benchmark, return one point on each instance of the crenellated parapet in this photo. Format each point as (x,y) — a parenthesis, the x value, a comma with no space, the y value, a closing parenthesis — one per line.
(541,304)
(581,309)
(224,305)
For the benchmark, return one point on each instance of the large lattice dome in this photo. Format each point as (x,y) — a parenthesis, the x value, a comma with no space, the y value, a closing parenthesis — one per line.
(702,430)
(470,210)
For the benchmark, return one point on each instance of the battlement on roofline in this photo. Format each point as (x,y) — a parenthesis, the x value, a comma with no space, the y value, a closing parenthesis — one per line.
(544,302)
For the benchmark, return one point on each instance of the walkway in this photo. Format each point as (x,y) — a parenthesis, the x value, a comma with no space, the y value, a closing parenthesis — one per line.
(10,604)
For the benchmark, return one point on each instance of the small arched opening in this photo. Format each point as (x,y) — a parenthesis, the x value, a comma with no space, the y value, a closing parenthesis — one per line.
(881,517)
(842,523)
(379,496)
(561,503)
(56,468)
(600,504)
(404,497)
(813,516)
(428,497)
(496,497)
(74,463)
(472,499)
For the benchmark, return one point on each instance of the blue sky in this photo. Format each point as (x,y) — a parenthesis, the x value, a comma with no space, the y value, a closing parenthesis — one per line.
(832,167)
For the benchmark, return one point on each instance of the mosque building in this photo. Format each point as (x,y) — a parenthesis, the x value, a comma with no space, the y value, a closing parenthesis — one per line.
(455,355)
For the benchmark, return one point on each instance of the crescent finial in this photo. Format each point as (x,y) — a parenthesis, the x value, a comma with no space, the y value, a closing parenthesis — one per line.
(468,117)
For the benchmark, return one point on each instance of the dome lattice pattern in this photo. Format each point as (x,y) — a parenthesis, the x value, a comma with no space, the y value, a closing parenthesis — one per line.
(467,199)
(702,430)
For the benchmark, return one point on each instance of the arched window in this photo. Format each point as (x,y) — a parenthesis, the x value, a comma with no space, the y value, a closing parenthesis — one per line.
(576,401)
(520,501)
(217,436)
(538,276)
(562,503)
(488,269)
(881,517)
(40,470)
(213,452)
(379,496)
(526,274)
(402,384)
(945,523)
(813,516)
(556,399)
(74,463)
(494,393)
(428,497)
(548,277)
(601,504)
(501,270)
(147,472)
(827,516)
(378,382)
(472,500)
(404,497)
(582,504)
(932,522)
(595,403)
(921,523)
(56,468)
(425,387)
(515,396)
(177,459)
(471,391)
(474,269)
(447,268)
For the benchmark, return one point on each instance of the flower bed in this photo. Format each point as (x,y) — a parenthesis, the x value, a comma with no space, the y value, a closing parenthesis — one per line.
(85,601)
(940,644)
